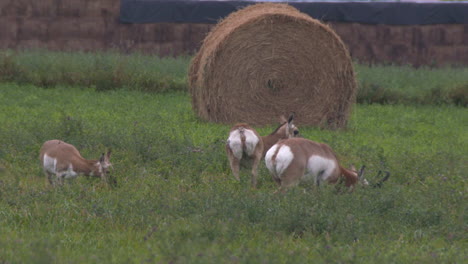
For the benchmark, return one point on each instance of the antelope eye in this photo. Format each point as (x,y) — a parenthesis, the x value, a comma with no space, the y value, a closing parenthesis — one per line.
(296,132)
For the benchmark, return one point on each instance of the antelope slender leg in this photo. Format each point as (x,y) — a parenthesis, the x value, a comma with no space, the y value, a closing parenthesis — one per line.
(50,177)
(235,164)
(291,176)
(255,163)
(277,180)
(60,179)
(287,183)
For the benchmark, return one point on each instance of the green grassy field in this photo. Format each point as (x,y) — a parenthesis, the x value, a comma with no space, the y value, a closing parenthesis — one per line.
(176,201)
(111,71)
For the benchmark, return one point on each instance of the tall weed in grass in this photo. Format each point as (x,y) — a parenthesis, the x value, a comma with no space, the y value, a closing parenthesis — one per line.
(176,200)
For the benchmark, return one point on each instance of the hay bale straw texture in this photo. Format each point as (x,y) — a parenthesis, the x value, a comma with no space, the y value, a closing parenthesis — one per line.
(270,59)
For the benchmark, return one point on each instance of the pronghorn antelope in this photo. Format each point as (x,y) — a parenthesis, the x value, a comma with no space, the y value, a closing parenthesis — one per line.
(244,143)
(298,159)
(65,161)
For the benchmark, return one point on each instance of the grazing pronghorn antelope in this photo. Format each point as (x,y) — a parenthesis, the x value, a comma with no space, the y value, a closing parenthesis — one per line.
(65,161)
(298,159)
(244,143)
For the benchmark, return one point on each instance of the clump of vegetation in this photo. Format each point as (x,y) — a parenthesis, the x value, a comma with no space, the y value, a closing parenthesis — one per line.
(459,95)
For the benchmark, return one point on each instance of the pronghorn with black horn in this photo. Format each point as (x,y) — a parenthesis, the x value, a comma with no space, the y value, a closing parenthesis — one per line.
(244,143)
(63,160)
(294,160)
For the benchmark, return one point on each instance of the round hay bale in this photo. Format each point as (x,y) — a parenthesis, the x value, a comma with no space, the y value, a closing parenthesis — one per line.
(270,59)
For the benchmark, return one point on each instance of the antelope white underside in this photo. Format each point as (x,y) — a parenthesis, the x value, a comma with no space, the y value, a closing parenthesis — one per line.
(319,169)
(50,165)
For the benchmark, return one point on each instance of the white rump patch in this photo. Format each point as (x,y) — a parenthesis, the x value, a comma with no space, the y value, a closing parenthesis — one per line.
(251,141)
(235,142)
(50,164)
(319,168)
(282,161)
(268,157)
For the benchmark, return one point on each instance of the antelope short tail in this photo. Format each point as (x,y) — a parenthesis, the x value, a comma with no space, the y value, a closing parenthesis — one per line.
(277,160)
(242,137)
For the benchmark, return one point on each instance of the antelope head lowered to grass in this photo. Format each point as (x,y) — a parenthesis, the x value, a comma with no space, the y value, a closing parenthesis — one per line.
(294,160)
(63,160)
(244,143)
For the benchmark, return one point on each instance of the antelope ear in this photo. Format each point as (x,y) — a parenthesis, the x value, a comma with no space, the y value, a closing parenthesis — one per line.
(108,155)
(291,117)
(101,159)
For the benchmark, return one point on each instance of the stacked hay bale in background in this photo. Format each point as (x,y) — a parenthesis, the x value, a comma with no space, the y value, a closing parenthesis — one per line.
(270,59)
